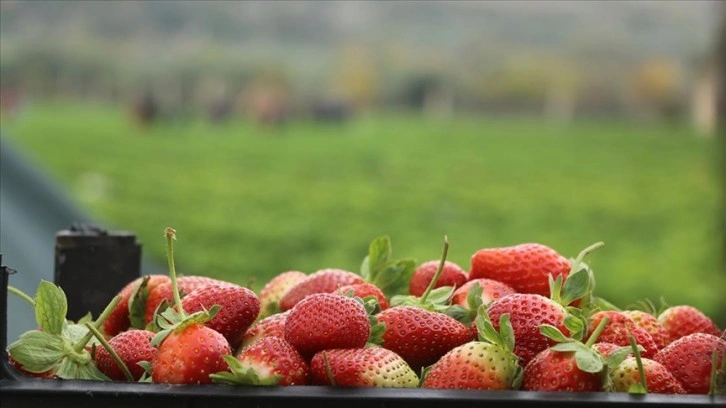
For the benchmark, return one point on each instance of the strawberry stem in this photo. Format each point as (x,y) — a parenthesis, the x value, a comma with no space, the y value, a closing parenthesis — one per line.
(19,293)
(598,330)
(170,237)
(714,372)
(328,370)
(639,362)
(592,248)
(111,351)
(439,270)
(81,345)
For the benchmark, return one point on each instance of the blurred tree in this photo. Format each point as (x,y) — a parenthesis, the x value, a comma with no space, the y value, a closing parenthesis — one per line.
(656,88)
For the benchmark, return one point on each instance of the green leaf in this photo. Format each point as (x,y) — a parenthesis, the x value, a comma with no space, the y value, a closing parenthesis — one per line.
(51,307)
(518,376)
(485,329)
(575,325)
(137,303)
(38,351)
(569,346)
(616,357)
(76,332)
(146,376)
(602,304)
(553,333)
(460,313)
(395,277)
(506,332)
(588,361)
(575,287)
(440,295)
(70,369)
(379,253)
(86,318)
(473,297)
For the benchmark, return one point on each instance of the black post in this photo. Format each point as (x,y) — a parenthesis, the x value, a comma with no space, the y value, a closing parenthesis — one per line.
(92,265)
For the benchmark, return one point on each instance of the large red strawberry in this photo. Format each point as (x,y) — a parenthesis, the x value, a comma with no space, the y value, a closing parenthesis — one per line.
(552,370)
(327,320)
(132,346)
(524,267)
(362,367)
(267,361)
(270,326)
(689,359)
(619,329)
(451,275)
(491,291)
(275,289)
(683,320)
(650,324)
(163,292)
(239,308)
(658,378)
(365,289)
(421,336)
(118,320)
(322,281)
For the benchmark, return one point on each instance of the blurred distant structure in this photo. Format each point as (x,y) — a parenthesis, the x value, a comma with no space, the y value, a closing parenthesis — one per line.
(146,108)
(703,99)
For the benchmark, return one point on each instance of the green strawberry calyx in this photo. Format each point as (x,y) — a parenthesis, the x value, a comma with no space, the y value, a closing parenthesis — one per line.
(504,339)
(379,268)
(137,303)
(587,359)
(59,345)
(372,307)
(240,374)
(467,314)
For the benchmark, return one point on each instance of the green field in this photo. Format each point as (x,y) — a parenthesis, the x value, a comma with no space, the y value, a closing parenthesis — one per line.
(249,202)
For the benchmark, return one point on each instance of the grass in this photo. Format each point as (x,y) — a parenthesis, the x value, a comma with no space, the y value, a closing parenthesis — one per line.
(249,202)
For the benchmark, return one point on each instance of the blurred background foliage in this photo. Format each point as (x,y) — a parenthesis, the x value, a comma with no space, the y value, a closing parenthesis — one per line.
(287,135)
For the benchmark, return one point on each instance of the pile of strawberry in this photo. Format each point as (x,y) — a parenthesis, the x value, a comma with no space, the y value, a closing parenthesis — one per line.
(523,317)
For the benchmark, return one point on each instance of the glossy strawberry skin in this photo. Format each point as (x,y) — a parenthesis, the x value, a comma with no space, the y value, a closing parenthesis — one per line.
(239,308)
(118,320)
(527,311)
(689,360)
(327,320)
(553,370)
(491,291)
(190,355)
(275,289)
(650,324)
(683,320)
(362,367)
(524,267)
(473,365)
(420,336)
(451,275)
(365,289)
(618,330)
(270,326)
(132,346)
(322,281)
(657,377)
(163,291)
(271,356)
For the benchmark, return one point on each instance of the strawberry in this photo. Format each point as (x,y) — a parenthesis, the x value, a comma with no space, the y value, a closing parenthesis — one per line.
(365,289)
(118,320)
(689,359)
(239,308)
(163,292)
(275,289)
(486,364)
(658,378)
(491,290)
(362,367)
(650,324)
(552,370)
(421,336)
(270,326)
(618,331)
(132,346)
(267,361)
(322,281)
(19,367)
(605,349)
(524,267)
(683,320)
(451,275)
(327,320)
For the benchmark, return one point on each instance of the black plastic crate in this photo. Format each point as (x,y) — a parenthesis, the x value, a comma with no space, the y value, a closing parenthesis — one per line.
(17,390)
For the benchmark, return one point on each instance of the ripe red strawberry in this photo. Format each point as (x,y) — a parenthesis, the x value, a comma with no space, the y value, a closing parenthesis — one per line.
(524,267)
(362,367)
(322,281)
(451,275)
(240,307)
(275,289)
(618,331)
(689,359)
(132,346)
(420,336)
(605,349)
(327,320)
(163,292)
(650,324)
(683,320)
(491,291)
(657,377)
(267,361)
(118,320)
(527,311)
(270,326)
(189,354)
(552,370)
(366,289)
